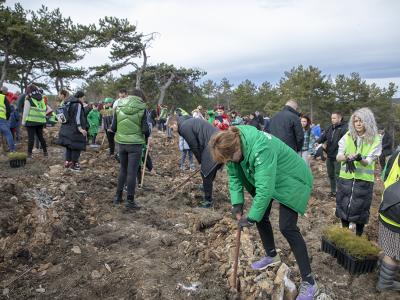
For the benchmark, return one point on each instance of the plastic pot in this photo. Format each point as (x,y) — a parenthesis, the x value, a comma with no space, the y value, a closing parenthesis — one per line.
(16,163)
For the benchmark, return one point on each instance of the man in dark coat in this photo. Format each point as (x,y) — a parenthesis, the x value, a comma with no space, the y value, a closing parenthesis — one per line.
(332,137)
(387,147)
(286,126)
(197,133)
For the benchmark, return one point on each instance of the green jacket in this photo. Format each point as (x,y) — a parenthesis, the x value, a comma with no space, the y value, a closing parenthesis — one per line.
(269,170)
(93,119)
(211,116)
(129,114)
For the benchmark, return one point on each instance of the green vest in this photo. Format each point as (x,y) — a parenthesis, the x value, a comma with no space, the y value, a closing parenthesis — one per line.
(37,112)
(393,177)
(3,107)
(365,173)
(183,112)
(163,113)
(129,114)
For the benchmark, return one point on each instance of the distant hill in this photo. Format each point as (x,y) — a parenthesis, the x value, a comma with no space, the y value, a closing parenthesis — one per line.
(396,100)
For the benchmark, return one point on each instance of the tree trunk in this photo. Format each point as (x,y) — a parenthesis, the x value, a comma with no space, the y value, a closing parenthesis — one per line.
(140,71)
(4,69)
(164,88)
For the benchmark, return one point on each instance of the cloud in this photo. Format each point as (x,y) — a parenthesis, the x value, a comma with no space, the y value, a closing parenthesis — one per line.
(255,38)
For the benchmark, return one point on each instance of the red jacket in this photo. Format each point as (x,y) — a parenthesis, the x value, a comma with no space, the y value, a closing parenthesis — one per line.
(222,122)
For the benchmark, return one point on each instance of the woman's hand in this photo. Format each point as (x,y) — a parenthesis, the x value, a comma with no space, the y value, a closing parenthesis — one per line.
(83,131)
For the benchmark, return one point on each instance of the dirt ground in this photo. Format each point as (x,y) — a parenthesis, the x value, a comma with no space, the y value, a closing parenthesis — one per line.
(62,238)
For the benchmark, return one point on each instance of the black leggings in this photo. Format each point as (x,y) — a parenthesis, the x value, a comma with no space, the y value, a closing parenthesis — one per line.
(288,227)
(72,155)
(130,155)
(110,139)
(38,131)
(359,227)
(208,183)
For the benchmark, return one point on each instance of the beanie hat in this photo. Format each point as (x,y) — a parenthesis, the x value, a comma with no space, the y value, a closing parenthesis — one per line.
(36,94)
(108,100)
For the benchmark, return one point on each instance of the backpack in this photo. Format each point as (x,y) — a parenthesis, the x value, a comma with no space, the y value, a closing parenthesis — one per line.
(62,113)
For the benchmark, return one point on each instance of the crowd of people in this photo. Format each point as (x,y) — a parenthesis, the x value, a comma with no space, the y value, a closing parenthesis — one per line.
(269,157)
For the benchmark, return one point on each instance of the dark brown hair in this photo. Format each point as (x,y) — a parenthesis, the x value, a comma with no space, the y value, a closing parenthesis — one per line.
(308,121)
(224,144)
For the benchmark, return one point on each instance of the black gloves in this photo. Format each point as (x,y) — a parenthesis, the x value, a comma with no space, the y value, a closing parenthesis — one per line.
(358,157)
(245,222)
(350,167)
(237,209)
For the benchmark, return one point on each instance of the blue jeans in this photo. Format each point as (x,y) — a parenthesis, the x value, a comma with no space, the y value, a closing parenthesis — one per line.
(5,130)
(183,158)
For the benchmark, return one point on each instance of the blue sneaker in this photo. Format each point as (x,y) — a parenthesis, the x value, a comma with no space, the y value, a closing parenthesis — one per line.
(266,262)
(307,291)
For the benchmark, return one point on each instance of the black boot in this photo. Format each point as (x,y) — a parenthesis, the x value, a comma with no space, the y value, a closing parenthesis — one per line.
(118,198)
(386,278)
(131,204)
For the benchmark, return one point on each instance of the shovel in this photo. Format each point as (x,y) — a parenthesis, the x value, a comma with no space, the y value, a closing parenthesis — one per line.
(145,161)
(236,281)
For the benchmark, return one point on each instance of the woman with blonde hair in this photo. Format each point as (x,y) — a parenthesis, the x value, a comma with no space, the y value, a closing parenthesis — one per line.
(268,169)
(358,150)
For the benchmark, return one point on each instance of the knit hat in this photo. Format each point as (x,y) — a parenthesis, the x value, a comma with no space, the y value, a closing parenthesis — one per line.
(108,100)
(36,94)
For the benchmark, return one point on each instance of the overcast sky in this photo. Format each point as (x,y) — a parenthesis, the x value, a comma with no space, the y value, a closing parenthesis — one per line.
(257,39)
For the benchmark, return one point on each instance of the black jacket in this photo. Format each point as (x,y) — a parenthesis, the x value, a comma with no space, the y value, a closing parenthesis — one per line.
(332,137)
(69,135)
(286,126)
(353,200)
(390,206)
(255,123)
(387,144)
(197,133)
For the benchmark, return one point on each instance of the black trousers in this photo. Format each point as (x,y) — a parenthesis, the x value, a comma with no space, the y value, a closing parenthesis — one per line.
(38,131)
(333,170)
(359,227)
(94,138)
(288,227)
(130,155)
(208,183)
(111,143)
(72,155)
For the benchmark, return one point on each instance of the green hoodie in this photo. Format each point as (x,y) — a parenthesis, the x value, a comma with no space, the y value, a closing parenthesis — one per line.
(129,114)
(211,116)
(269,170)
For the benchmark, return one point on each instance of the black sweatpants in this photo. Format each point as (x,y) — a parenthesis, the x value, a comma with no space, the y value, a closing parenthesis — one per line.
(208,183)
(72,155)
(38,131)
(288,227)
(111,143)
(130,155)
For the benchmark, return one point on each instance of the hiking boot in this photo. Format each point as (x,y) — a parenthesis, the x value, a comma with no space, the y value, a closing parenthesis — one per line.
(332,194)
(67,164)
(76,167)
(132,206)
(206,204)
(307,291)
(45,154)
(265,262)
(117,199)
(386,280)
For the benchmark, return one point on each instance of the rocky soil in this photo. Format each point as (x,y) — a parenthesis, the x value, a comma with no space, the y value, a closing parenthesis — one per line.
(61,237)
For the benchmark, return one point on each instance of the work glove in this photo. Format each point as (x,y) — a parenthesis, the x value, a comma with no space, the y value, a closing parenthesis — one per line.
(245,222)
(237,209)
(358,157)
(350,167)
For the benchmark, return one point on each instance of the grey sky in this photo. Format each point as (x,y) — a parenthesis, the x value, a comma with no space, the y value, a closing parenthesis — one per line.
(257,40)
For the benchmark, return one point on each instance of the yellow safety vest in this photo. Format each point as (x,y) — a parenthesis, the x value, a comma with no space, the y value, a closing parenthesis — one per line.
(3,107)
(37,112)
(393,177)
(362,172)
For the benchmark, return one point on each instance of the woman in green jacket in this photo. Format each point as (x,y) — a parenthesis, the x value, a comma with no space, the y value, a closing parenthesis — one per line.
(268,169)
